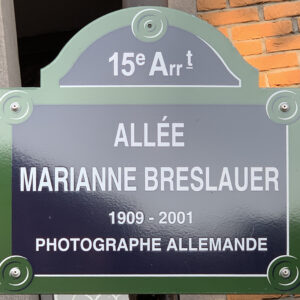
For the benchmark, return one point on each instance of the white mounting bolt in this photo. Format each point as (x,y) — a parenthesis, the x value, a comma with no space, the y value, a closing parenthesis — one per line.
(284,107)
(15,272)
(285,272)
(15,106)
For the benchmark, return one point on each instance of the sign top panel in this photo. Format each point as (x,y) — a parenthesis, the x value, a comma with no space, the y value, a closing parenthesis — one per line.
(149,47)
(163,62)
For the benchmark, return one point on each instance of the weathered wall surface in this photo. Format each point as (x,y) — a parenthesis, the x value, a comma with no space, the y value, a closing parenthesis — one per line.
(265,32)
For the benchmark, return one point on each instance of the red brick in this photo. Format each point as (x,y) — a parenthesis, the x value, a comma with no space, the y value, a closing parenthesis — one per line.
(291,42)
(239,15)
(210,4)
(284,78)
(263,81)
(224,30)
(264,29)
(274,61)
(235,3)
(249,47)
(286,9)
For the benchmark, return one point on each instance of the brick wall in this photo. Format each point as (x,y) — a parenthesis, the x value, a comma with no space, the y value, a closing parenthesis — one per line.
(265,32)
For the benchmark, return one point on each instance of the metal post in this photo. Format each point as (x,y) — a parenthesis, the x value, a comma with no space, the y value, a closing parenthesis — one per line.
(9,60)
(189,6)
(131,3)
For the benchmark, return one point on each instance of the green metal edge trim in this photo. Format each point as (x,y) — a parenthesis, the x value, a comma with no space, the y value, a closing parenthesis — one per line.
(150,285)
(294,188)
(6,192)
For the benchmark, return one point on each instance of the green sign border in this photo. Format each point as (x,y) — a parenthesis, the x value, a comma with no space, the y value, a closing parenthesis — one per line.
(51,93)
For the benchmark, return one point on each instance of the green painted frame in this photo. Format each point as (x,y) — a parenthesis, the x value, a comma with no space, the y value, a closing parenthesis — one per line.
(51,93)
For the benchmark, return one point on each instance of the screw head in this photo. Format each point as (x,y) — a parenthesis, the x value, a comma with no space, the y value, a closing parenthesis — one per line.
(285,272)
(284,107)
(15,272)
(15,106)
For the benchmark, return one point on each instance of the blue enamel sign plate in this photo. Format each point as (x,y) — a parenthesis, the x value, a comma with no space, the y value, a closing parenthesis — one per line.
(156,191)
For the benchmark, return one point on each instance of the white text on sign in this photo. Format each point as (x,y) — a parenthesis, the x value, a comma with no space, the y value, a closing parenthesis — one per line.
(127,63)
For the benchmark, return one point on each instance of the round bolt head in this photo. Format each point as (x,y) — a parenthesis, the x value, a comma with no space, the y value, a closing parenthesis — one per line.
(15,272)
(284,107)
(285,272)
(15,106)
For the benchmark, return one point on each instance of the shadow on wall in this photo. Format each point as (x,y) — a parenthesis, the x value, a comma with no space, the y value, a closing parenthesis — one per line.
(58,21)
